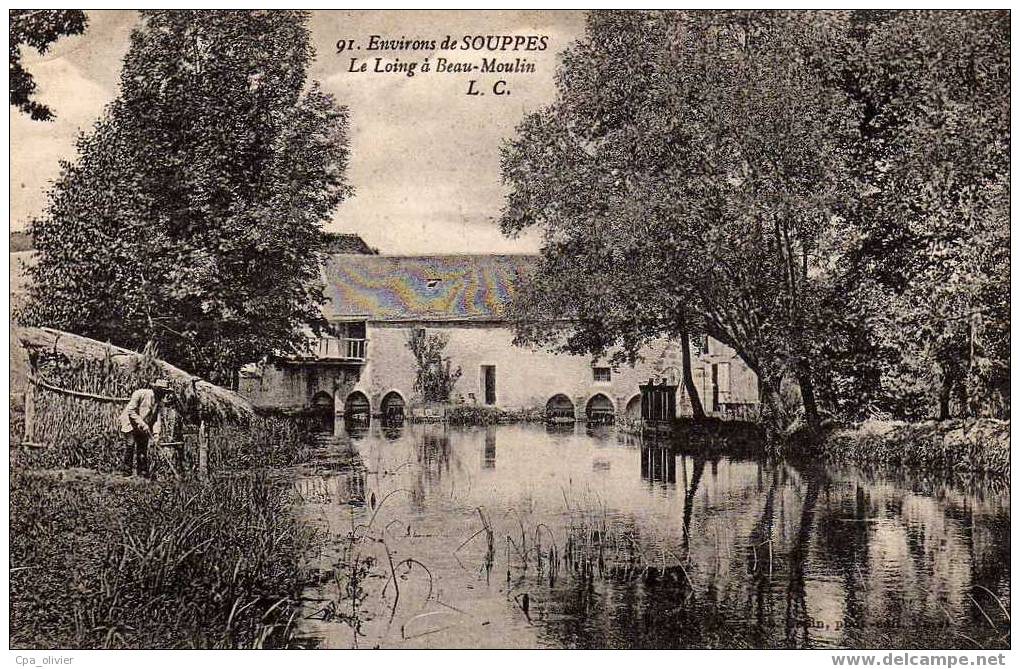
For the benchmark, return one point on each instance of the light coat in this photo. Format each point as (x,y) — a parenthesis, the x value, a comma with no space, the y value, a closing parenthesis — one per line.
(143,409)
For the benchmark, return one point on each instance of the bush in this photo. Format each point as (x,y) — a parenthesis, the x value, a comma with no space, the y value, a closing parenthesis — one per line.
(976,445)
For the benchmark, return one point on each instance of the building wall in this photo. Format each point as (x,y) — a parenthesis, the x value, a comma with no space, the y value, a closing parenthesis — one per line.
(525,378)
(293,387)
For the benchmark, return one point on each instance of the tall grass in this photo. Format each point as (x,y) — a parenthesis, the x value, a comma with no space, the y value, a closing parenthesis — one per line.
(265,441)
(77,431)
(978,445)
(127,564)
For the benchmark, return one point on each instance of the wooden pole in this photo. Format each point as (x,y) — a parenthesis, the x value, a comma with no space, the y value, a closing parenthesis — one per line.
(203,451)
(30,411)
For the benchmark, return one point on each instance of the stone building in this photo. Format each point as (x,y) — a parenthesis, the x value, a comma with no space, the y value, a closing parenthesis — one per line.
(367,368)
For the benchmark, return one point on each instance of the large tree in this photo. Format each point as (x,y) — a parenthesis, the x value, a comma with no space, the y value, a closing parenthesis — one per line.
(826,192)
(681,179)
(192,216)
(37,28)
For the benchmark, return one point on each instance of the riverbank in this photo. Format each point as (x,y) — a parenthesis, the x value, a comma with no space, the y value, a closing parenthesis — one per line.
(100,560)
(979,445)
(107,561)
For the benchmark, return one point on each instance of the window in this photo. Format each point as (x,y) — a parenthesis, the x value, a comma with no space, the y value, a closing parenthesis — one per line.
(602,374)
(355,330)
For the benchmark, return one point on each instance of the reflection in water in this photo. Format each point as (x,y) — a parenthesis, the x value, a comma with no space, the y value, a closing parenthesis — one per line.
(489,455)
(658,465)
(616,545)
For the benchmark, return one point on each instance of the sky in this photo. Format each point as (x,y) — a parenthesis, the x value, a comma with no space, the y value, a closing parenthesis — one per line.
(424,155)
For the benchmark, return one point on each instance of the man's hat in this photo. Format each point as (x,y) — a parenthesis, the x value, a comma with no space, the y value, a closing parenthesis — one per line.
(161,384)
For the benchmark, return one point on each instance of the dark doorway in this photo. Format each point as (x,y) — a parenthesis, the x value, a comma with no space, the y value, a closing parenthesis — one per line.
(322,413)
(489,383)
(392,408)
(356,410)
(559,409)
(715,387)
(599,410)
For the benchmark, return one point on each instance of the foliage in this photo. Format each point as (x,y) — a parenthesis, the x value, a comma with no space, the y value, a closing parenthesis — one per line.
(921,257)
(37,28)
(977,446)
(825,192)
(192,215)
(701,165)
(434,378)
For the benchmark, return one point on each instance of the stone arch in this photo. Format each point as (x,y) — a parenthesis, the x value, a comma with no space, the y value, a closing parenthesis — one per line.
(560,408)
(322,401)
(633,407)
(357,409)
(393,407)
(600,409)
(323,409)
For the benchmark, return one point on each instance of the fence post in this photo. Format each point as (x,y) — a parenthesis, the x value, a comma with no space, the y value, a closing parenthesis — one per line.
(203,451)
(30,408)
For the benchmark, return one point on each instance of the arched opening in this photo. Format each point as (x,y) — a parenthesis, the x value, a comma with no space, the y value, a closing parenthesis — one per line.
(633,408)
(392,407)
(599,410)
(559,409)
(357,412)
(322,412)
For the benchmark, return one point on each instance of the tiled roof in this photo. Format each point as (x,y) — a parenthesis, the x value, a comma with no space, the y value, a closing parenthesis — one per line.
(343,242)
(422,288)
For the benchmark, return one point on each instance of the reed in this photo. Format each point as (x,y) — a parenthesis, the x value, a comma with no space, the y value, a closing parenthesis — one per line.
(129,564)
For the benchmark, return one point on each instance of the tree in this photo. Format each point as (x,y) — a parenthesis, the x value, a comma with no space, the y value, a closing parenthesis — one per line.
(923,255)
(581,171)
(687,169)
(434,378)
(37,28)
(192,216)
(826,192)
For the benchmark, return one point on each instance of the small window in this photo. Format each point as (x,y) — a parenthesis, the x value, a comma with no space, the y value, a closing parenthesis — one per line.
(704,345)
(602,374)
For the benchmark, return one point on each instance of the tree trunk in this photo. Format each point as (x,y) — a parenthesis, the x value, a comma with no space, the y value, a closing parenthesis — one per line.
(945,393)
(692,391)
(769,392)
(807,395)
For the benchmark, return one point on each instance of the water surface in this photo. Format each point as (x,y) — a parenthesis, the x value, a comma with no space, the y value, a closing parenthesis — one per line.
(600,541)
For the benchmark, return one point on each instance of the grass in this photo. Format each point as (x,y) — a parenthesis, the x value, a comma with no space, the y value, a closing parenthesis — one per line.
(979,446)
(104,562)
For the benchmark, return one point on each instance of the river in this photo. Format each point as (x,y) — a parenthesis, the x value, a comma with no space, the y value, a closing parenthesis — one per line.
(523,536)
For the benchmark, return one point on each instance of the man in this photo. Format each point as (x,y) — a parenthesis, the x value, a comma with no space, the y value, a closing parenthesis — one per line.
(141,422)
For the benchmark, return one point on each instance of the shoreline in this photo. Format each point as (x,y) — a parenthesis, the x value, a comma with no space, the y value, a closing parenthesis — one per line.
(973,445)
